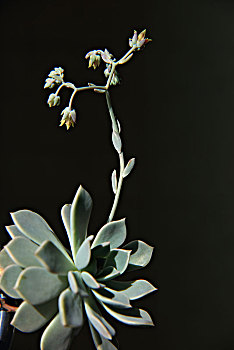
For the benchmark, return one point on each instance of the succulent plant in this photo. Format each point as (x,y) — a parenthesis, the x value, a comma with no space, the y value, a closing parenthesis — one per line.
(57,285)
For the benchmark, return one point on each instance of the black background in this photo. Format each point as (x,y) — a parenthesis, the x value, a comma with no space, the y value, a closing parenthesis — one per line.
(176,108)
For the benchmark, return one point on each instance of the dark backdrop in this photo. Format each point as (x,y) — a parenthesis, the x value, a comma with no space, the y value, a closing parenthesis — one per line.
(176,107)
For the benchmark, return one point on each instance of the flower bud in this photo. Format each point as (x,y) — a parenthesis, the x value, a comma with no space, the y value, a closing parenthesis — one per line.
(50,82)
(133,41)
(106,56)
(94,59)
(107,70)
(57,75)
(142,40)
(69,117)
(53,100)
(115,79)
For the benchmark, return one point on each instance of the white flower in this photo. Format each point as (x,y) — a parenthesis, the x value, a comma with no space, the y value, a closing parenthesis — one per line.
(69,117)
(94,58)
(50,82)
(53,100)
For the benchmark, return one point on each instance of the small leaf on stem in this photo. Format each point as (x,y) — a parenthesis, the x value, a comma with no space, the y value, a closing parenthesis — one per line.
(116,141)
(129,167)
(114,181)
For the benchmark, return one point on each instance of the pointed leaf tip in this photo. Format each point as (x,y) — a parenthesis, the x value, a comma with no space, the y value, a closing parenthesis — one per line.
(80,213)
(114,232)
(129,167)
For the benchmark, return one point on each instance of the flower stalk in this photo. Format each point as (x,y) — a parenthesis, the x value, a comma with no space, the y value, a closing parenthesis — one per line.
(58,288)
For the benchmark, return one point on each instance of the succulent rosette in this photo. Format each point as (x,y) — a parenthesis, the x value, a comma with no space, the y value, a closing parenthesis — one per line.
(58,288)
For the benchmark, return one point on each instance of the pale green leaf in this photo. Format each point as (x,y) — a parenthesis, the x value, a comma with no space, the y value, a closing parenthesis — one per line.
(107,273)
(133,316)
(90,280)
(66,216)
(14,231)
(140,255)
(36,228)
(8,280)
(84,254)
(100,342)
(80,214)
(76,283)
(116,140)
(118,258)
(113,232)
(56,337)
(114,181)
(129,167)
(53,259)
(133,289)
(22,252)
(112,297)
(5,260)
(29,318)
(36,285)
(97,320)
(70,309)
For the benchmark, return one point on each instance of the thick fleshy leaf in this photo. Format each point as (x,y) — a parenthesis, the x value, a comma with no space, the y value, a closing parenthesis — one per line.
(133,289)
(116,140)
(97,320)
(57,337)
(118,258)
(140,255)
(129,167)
(84,254)
(100,342)
(114,181)
(107,273)
(53,259)
(66,216)
(113,232)
(70,309)
(5,260)
(101,250)
(133,316)
(37,286)
(35,227)
(76,283)
(90,280)
(111,297)
(8,280)
(14,231)
(21,250)
(80,214)
(29,318)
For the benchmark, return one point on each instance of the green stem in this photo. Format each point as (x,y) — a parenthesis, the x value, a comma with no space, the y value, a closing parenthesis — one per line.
(92,87)
(121,159)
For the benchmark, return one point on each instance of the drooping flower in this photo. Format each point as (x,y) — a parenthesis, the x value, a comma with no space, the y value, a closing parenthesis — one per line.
(59,288)
(106,56)
(115,77)
(55,77)
(69,117)
(53,100)
(94,58)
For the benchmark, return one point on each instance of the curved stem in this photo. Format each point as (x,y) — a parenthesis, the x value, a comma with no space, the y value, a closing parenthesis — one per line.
(127,54)
(92,87)
(120,182)
(121,158)
(111,74)
(68,85)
